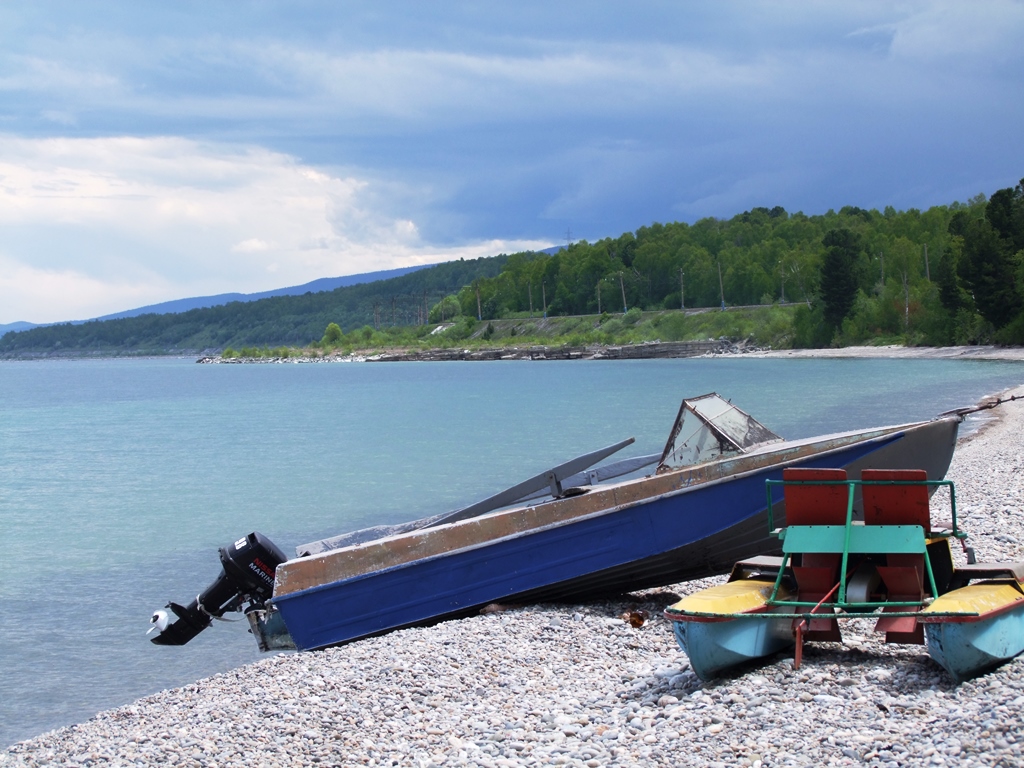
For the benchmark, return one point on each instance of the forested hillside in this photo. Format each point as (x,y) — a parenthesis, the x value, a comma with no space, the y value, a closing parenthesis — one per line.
(281,320)
(947,275)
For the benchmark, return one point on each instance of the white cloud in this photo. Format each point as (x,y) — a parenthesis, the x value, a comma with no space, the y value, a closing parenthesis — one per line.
(987,31)
(252,245)
(59,117)
(101,225)
(253,79)
(65,294)
(545,78)
(42,73)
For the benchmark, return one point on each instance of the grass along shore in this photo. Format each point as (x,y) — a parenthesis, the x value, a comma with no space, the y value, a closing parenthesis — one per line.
(765,331)
(763,326)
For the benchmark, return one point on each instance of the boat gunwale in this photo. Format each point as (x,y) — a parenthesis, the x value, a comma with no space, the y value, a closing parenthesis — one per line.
(880,435)
(935,617)
(760,450)
(962,617)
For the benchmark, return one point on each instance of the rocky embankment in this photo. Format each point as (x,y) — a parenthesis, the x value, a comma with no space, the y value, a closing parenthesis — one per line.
(643,351)
(580,685)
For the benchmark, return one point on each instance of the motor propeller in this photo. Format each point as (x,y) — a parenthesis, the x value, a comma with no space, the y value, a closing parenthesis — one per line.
(247,576)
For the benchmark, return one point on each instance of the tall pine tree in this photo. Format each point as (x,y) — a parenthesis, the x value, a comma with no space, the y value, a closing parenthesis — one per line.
(838,280)
(987,264)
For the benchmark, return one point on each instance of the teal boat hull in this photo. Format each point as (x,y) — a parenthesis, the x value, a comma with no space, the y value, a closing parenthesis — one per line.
(715,646)
(967,648)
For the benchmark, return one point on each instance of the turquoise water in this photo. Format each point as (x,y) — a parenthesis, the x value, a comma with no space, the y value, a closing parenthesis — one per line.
(119,479)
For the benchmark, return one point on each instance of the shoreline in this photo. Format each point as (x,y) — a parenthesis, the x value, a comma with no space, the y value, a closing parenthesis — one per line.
(988,352)
(708,348)
(579,685)
(644,351)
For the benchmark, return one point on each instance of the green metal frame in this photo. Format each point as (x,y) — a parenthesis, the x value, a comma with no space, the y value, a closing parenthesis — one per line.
(847,539)
(855,539)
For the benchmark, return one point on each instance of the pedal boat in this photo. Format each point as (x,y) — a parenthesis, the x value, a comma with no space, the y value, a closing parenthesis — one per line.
(891,563)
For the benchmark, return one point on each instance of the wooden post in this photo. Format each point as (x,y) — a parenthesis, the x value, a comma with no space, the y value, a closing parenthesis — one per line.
(599,297)
(622,286)
(682,291)
(531,298)
(544,295)
(479,314)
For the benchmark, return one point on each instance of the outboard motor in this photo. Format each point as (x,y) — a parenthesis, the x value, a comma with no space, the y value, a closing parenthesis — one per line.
(247,576)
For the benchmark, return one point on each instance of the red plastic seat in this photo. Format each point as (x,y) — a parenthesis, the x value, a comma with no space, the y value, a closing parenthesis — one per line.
(903,575)
(815,504)
(816,572)
(896,504)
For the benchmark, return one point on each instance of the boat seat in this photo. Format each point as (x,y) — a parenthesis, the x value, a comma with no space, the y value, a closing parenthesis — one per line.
(896,504)
(815,504)
(759,566)
(903,572)
(964,574)
(816,570)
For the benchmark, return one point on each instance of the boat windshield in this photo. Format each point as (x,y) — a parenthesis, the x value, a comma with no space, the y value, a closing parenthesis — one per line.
(708,427)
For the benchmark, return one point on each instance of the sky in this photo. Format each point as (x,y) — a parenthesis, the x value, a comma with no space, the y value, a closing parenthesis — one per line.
(153,151)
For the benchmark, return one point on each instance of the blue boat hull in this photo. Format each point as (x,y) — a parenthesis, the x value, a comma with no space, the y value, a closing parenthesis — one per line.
(692,532)
(716,646)
(967,648)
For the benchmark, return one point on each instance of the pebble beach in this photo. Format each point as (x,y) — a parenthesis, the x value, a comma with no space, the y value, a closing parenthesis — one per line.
(583,685)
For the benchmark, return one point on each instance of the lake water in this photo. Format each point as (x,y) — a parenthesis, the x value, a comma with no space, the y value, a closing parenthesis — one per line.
(120,479)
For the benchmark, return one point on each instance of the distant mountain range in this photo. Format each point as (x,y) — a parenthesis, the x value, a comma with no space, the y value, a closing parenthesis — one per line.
(18,326)
(201,302)
(262,320)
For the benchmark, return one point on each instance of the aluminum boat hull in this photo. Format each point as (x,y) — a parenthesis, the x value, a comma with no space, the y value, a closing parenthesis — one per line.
(663,529)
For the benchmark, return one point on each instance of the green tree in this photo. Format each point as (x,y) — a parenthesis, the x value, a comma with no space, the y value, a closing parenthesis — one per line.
(446,309)
(838,281)
(1005,212)
(951,290)
(332,336)
(810,330)
(904,261)
(987,269)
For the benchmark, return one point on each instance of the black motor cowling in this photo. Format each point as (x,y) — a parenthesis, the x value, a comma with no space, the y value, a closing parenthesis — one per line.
(247,576)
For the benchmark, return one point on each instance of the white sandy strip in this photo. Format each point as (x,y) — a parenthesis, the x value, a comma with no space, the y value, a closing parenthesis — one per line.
(896,351)
(577,685)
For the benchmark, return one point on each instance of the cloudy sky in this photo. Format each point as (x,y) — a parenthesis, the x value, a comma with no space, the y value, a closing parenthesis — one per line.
(152,151)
